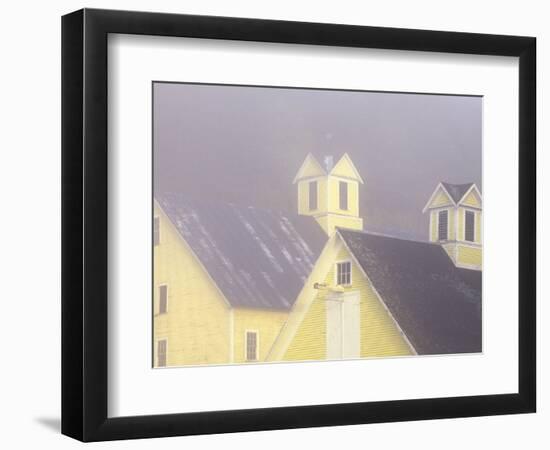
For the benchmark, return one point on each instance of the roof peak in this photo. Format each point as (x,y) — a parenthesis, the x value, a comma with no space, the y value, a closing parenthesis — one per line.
(446,183)
(312,167)
(457,191)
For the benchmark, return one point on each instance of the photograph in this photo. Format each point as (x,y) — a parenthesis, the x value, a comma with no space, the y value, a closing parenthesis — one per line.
(261,225)
(297,224)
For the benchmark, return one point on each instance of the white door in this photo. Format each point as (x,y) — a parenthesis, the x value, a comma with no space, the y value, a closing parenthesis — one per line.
(343,326)
(334,327)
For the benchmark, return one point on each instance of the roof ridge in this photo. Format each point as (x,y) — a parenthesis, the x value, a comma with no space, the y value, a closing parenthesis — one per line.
(210,202)
(376,233)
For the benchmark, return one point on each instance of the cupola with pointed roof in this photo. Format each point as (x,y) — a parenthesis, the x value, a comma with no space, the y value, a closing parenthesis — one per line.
(330,192)
(456,222)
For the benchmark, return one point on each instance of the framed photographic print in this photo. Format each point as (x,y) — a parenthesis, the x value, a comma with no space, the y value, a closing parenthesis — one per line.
(273,224)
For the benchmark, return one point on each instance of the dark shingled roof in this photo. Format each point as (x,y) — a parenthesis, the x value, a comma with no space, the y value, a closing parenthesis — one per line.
(437,305)
(457,191)
(258,258)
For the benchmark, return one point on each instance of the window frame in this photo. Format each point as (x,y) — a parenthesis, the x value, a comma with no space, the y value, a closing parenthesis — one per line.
(165,340)
(473,215)
(162,285)
(338,264)
(446,212)
(341,195)
(315,197)
(257,334)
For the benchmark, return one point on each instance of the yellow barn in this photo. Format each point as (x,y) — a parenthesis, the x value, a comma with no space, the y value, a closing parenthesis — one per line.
(237,284)
(371,295)
(225,278)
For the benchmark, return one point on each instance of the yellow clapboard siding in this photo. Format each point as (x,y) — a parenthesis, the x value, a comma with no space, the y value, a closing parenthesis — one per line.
(472,200)
(379,334)
(345,168)
(310,168)
(197,322)
(309,342)
(334,197)
(441,199)
(303,196)
(267,323)
(470,256)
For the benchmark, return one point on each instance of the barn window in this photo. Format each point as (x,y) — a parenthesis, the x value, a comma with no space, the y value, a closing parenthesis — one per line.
(156,231)
(251,346)
(343,195)
(469,228)
(343,273)
(161,353)
(163,299)
(313,195)
(443,225)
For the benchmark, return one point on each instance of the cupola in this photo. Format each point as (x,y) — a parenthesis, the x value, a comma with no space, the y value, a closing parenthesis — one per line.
(456,222)
(330,192)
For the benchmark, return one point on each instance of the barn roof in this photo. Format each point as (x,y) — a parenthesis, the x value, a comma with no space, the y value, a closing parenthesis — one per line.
(258,258)
(436,304)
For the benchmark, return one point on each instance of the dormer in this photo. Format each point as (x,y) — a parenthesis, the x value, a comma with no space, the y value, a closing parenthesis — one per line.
(330,192)
(456,218)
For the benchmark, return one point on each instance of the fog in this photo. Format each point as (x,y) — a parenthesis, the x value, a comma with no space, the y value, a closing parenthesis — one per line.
(244,145)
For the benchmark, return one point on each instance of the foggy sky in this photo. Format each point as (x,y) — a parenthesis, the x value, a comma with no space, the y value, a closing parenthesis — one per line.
(244,145)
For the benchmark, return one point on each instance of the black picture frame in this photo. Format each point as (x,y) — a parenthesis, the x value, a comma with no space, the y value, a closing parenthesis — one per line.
(84,224)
